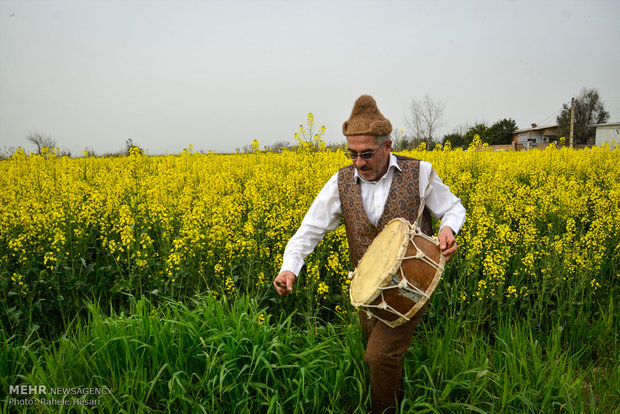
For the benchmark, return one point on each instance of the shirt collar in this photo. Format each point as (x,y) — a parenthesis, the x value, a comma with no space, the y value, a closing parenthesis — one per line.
(393,165)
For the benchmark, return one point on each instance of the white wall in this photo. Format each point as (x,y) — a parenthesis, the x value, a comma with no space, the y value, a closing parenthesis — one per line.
(608,133)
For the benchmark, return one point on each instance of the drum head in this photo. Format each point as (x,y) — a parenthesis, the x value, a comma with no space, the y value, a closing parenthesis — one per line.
(379,263)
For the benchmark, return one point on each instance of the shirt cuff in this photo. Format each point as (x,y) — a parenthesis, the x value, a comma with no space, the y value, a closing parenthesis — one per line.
(292,265)
(455,223)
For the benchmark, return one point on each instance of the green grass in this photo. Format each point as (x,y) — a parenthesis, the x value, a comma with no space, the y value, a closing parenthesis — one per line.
(219,356)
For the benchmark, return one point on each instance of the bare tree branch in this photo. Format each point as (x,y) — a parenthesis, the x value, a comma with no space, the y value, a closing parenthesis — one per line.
(41,140)
(425,118)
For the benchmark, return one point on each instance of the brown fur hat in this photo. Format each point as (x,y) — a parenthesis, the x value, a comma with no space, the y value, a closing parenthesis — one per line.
(366,119)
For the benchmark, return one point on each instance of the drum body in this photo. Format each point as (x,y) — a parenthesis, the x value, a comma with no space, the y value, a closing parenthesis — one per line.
(398,273)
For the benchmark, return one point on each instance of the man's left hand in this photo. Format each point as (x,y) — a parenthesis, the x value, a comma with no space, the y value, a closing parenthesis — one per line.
(447,242)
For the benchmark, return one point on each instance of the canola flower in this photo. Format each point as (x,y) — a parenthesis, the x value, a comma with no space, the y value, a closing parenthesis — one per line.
(186,223)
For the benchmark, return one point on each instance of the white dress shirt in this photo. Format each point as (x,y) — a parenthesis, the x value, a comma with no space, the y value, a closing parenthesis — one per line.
(325,212)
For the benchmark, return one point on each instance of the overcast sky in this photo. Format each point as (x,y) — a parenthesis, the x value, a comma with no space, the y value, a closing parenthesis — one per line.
(219,74)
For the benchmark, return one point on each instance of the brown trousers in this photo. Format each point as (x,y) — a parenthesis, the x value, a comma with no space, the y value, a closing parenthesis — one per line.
(384,355)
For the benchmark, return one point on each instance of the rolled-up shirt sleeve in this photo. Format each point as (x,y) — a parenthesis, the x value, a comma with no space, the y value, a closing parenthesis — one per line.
(322,217)
(440,201)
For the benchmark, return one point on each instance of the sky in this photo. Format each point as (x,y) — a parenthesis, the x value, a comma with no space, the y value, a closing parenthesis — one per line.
(219,74)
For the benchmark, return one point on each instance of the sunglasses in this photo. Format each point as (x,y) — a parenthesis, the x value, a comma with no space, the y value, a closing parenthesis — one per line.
(366,155)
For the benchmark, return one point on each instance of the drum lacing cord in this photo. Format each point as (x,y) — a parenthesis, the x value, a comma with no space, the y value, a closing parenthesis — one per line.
(404,283)
(384,306)
(420,255)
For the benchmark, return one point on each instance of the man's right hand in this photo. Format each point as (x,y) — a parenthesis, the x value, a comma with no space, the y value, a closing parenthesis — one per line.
(284,282)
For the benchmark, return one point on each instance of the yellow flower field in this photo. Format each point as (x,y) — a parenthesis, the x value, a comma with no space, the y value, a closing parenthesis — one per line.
(541,225)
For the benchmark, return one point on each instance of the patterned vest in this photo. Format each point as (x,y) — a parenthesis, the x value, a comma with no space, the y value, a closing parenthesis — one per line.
(403,201)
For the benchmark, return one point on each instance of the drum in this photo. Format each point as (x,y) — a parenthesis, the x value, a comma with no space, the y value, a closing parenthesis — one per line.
(398,273)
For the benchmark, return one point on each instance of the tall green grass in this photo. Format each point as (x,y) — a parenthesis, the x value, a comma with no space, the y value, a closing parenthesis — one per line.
(207,356)
(232,355)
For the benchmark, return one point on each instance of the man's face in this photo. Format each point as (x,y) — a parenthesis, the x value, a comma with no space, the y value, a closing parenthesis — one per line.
(371,169)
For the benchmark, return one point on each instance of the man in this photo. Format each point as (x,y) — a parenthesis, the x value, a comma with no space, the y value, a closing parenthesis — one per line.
(376,188)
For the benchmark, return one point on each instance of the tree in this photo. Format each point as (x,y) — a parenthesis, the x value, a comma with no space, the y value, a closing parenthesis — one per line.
(589,110)
(500,133)
(41,141)
(456,140)
(479,129)
(424,119)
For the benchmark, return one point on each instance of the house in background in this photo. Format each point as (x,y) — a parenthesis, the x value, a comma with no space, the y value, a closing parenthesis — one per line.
(606,133)
(535,136)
